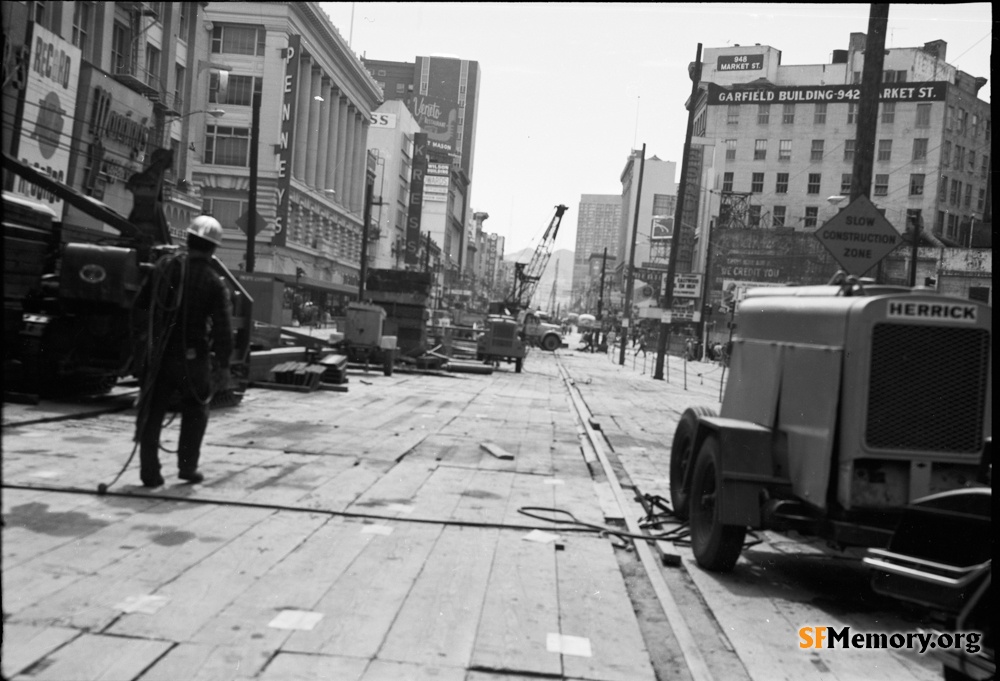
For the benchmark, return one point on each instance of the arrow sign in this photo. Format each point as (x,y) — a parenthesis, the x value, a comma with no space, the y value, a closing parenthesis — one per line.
(858,237)
(243,220)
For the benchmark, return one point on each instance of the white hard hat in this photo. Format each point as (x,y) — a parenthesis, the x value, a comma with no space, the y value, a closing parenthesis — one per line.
(206,227)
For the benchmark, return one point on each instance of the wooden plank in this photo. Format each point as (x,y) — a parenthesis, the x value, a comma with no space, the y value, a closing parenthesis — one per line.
(442,492)
(183,661)
(594,604)
(485,498)
(437,623)
(92,656)
(344,488)
(383,670)
(496,451)
(606,500)
(397,486)
(25,644)
(521,609)
(300,667)
(364,600)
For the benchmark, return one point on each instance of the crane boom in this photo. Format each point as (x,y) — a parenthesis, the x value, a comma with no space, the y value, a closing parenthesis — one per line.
(527,276)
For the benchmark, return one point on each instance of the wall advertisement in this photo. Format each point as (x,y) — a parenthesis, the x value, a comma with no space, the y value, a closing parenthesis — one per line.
(49,106)
(413,215)
(438,118)
(285,140)
(792,94)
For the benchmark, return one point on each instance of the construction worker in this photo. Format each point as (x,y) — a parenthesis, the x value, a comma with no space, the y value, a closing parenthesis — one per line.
(181,297)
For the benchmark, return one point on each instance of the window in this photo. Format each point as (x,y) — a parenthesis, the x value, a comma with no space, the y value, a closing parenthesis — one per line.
(778,216)
(956,192)
(901,76)
(959,157)
(949,121)
(812,212)
(238,39)
(227,146)
(730,150)
(179,72)
(788,114)
(763,114)
(884,150)
(968,196)
(889,112)
(400,88)
(981,202)
(845,184)
(939,222)
(226,211)
(82,17)
(882,185)
(754,215)
(120,48)
(984,168)
(972,160)
(952,230)
(848,150)
(812,187)
(819,115)
(946,154)
(240,90)
(733,114)
(781,185)
(916,184)
(920,149)
(975,125)
(943,190)
(963,121)
(152,66)
(182,24)
(757,183)
(816,154)
(988,124)
(727,182)
(759,150)
(856,78)
(852,113)
(664,204)
(785,150)
(923,116)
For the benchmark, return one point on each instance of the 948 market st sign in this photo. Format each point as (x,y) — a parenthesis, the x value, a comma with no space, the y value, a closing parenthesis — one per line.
(858,237)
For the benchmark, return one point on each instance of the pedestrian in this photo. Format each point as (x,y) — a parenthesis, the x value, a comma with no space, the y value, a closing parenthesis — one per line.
(643,342)
(178,302)
(612,338)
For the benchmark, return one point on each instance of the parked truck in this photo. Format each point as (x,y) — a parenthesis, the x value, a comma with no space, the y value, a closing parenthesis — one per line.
(861,414)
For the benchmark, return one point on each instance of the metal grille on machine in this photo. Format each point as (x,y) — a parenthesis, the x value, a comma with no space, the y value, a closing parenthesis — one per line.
(928,388)
(503,334)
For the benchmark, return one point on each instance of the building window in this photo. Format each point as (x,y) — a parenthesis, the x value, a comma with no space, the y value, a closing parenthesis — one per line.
(988,124)
(763,114)
(785,150)
(733,114)
(778,216)
(819,114)
(882,185)
(179,73)
(943,190)
(239,92)
(952,230)
(781,186)
(812,187)
(121,48)
(972,160)
(816,154)
(956,192)
(182,24)
(730,150)
(227,146)
(963,121)
(981,202)
(968,196)
(984,169)
(889,112)
(788,114)
(856,78)
(727,182)
(238,39)
(845,184)
(812,212)
(916,184)
(82,17)
(226,211)
(852,113)
(923,116)
(759,150)
(754,216)
(152,67)
(757,183)
(848,150)
(920,149)
(884,150)
(400,88)
(949,121)
(946,154)
(959,156)
(939,222)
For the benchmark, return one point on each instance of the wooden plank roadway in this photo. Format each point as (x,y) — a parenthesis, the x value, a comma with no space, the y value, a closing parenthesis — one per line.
(193,590)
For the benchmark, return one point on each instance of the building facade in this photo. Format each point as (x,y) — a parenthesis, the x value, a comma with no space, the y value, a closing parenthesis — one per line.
(654,227)
(597,223)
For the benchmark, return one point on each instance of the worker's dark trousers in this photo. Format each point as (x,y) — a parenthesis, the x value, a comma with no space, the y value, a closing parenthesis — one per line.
(190,383)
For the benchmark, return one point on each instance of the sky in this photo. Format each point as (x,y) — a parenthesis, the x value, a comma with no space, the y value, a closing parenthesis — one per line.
(568,90)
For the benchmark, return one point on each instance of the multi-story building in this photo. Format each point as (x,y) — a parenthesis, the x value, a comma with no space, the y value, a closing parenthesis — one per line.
(780,140)
(654,226)
(597,223)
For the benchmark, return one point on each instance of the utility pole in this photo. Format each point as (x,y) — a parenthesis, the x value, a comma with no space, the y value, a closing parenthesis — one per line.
(871,80)
(631,255)
(915,220)
(252,210)
(668,303)
(604,267)
(366,225)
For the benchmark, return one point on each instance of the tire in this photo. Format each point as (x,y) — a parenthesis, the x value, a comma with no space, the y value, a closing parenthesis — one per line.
(518,365)
(716,547)
(387,367)
(551,342)
(681,456)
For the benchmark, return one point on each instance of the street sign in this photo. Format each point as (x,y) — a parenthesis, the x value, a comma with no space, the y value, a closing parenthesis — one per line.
(243,222)
(858,237)
(687,285)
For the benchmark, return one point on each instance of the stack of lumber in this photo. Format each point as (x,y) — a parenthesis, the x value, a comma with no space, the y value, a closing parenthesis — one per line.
(334,369)
(300,374)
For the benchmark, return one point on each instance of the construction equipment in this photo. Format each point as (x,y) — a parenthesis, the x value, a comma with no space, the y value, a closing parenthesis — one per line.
(364,338)
(860,414)
(511,325)
(68,306)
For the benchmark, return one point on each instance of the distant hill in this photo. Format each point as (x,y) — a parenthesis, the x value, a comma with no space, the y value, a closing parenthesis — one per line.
(544,291)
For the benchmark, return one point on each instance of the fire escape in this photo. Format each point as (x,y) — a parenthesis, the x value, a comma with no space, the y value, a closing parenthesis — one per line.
(128,71)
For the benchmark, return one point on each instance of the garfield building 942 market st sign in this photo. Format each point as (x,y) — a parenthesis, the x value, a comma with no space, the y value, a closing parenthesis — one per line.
(908,92)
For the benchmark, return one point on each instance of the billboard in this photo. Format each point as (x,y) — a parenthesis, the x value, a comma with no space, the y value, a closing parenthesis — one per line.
(49,108)
(413,215)
(438,118)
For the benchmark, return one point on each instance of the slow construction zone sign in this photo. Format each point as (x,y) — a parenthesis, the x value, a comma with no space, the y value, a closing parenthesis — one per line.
(858,237)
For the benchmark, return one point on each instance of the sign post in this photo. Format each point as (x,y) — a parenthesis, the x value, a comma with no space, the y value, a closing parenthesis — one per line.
(858,237)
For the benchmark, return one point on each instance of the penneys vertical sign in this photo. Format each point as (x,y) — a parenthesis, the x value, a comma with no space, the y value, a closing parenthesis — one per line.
(416,198)
(285,139)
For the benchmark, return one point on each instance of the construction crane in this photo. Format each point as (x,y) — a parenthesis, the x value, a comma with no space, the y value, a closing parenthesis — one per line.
(527,275)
